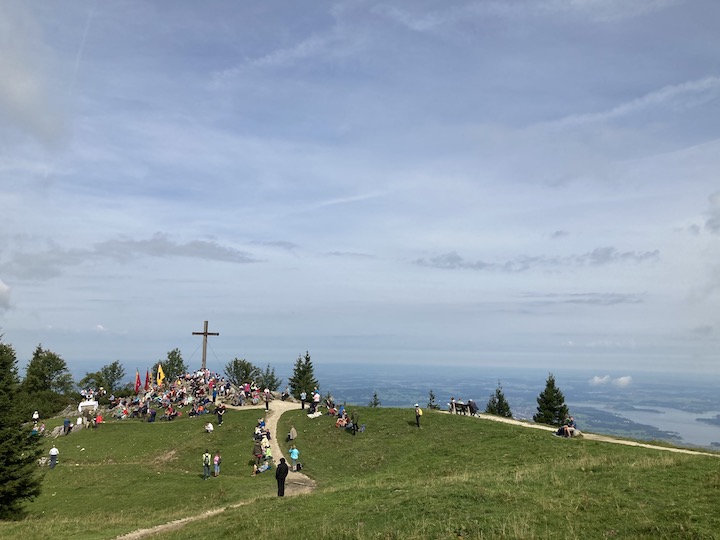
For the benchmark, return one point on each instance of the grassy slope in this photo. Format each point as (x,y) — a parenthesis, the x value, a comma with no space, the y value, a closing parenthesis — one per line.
(456,477)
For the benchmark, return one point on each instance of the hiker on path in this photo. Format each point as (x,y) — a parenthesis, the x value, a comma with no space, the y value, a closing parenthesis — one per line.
(418,414)
(53,456)
(206,460)
(280,474)
(294,455)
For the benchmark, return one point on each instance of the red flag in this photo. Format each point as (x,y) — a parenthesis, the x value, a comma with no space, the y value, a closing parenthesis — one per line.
(137,381)
(147,380)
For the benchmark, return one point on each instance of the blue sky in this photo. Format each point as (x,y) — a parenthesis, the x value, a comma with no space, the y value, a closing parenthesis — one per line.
(529,183)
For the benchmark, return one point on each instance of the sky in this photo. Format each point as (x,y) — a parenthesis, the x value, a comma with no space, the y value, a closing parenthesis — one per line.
(529,183)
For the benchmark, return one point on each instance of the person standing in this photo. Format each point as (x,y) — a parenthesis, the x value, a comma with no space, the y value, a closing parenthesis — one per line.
(36,416)
(53,456)
(354,418)
(220,410)
(216,461)
(418,414)
(303,397)
(316,401)
(258,453)
(280,475)
(206,460)
(294,455)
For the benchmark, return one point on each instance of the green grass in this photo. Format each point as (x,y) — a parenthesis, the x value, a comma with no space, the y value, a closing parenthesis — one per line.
(457,477)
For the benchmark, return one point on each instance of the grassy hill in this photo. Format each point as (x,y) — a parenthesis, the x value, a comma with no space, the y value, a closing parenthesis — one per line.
(457,477)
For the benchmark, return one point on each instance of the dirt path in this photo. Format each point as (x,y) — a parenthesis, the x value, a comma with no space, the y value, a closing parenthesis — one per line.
(595,437)
(296,484)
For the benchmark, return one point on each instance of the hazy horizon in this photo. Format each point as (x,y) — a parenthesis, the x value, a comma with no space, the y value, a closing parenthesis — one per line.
(526,183)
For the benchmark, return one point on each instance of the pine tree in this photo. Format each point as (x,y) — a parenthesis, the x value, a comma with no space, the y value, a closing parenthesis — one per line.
(375,401)
(497,404)
(269,380)
(551,407)
(18,448)
(432,404)
(303,379)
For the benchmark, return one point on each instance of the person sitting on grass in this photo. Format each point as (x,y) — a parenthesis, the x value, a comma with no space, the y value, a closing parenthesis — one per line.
(342,420)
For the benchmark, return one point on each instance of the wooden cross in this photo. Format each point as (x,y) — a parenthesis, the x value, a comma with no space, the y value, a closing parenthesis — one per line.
(205,335)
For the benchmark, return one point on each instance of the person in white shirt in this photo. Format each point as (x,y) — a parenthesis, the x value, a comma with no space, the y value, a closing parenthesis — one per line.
(53,456)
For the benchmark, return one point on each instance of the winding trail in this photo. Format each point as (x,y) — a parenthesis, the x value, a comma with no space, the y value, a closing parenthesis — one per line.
(296,483)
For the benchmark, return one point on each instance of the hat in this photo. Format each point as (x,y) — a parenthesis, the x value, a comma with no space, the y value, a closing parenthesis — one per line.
(417,405)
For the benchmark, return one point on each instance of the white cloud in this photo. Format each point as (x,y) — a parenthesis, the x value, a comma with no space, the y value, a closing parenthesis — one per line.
(676,97)
(620,382)
(597,380)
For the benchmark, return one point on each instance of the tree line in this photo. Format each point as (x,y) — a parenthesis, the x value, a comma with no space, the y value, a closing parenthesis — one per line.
(48,387)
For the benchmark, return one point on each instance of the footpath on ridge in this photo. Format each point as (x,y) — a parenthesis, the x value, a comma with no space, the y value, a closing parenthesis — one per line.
(298,483)
(595,437)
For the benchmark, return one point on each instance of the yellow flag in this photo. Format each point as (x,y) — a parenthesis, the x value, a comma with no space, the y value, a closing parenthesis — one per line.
(160,375)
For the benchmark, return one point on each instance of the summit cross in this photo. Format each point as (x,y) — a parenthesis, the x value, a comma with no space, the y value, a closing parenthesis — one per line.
(205,335)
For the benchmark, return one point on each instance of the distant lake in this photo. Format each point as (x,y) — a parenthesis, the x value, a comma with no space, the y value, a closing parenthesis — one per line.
(683,423)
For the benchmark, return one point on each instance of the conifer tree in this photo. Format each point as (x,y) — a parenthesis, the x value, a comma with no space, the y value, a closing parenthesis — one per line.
(303,379)
(432,404)
(269,380)
(19,476)
(497,404)
(375,401)
(551,407)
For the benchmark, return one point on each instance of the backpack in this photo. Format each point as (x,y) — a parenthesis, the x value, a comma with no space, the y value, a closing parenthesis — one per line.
(419,412)
(206,459)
